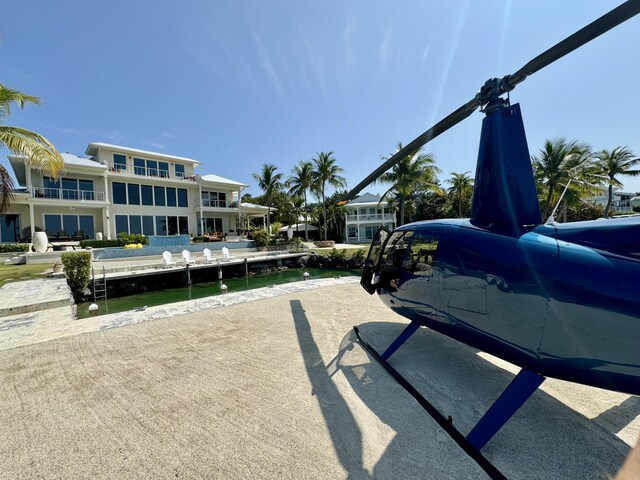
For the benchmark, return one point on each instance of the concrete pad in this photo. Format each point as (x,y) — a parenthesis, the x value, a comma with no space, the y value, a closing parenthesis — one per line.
(279,388)
(33,295)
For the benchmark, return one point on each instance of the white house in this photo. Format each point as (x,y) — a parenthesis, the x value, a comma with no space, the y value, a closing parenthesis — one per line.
(121,189)
(365,214)
(620,201)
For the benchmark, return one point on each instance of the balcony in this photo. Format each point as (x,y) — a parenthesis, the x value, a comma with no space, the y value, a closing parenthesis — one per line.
(66,194)
(149,172)
(388,217)
(204,203)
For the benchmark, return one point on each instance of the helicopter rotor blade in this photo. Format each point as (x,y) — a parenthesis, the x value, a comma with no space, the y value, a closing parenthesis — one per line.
(494,87)
(440,127)
(609,20)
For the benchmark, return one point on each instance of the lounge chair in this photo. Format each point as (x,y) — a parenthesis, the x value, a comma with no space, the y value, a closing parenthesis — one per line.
(208,256)
(226,255)
(78,235)
(167,259)
(63,236)
(186,255)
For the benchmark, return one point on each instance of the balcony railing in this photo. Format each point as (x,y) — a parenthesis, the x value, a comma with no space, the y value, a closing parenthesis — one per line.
(149,172)
(202,202)
(374,216)
(67,194)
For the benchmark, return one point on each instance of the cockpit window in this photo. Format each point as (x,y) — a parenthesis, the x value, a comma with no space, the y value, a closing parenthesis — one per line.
(422,249)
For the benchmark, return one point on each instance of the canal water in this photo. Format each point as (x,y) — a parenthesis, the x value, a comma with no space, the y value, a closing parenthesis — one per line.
(200,290)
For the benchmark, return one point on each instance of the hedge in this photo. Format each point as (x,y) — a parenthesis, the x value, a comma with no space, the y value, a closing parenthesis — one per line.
(99,243)
(77,267)
(14,247)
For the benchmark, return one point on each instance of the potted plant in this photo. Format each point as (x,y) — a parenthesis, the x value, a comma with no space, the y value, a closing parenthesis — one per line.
(57,267)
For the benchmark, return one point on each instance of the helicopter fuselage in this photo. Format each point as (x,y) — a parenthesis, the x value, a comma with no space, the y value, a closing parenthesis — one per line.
(559,299)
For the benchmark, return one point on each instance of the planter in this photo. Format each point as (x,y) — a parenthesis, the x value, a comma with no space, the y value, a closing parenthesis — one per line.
(40,242)
(324,243)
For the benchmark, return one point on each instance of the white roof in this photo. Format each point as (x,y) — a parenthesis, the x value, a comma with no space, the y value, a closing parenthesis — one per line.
(218,179)
(299,227)
(93,148)
(71,159)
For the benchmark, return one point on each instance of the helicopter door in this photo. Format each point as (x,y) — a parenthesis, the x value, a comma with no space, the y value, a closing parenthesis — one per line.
(419,272)
(370,278)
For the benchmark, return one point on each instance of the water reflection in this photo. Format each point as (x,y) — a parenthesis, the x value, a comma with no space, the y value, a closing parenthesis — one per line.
(201,290)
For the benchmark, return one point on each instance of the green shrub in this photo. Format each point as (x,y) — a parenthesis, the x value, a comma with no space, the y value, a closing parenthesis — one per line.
(77,267)
(275,227)
(99,243)
(261,237)
(125,238)
(358,256)
(14,247)
(338,256)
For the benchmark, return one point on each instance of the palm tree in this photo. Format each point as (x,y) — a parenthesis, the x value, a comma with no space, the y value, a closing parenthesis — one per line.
(326,172)
(461,188)
(416,171)
(38,151)
(270,183)
(560,161)
(301,180)
(613,163)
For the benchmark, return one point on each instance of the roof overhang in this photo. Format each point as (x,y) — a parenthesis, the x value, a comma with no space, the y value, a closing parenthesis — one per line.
(94,148)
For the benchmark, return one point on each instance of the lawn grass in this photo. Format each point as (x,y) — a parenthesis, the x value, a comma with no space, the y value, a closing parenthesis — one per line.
(15,273)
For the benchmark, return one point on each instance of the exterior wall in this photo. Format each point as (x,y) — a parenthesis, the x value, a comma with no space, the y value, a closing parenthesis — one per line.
(44,199)
(621,201)
(361,222)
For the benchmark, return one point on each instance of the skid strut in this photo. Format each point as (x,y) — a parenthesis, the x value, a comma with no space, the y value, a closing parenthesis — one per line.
(445,423)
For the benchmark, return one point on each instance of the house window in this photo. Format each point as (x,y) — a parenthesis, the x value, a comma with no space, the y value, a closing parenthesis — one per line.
(182,197)
(119,162)
(147,224)
(172,223)
(70,223)
(52,224)
(159,195)
(179,169)
(51,187)
(70,189)
(122,224)
(10,228)
(152,168)
(55,223)
(135,224)
(86,189)
(183,225)
(139,166)
(163,169)
(133,189)
(119,193)
(147,194)
(353,231)
(86,225)
(161,225)
(171,197)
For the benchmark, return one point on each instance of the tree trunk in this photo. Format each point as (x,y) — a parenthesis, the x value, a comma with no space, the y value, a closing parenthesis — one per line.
(324,215)
(608,207)
(306,218)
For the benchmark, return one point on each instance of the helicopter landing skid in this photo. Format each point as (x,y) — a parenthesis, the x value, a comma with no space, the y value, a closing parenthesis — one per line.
(511,399)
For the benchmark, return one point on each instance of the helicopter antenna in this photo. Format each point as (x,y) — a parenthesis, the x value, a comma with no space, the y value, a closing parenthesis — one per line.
(551,220)
(488,98)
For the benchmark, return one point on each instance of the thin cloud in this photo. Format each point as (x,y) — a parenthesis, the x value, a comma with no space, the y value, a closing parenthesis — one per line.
(384,50)
(425,54)
(157,146)
(265,60)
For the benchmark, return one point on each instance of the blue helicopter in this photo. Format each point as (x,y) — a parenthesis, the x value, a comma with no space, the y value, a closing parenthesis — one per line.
(557,300)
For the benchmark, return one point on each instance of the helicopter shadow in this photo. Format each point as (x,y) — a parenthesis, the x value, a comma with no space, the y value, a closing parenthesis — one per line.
(544,439)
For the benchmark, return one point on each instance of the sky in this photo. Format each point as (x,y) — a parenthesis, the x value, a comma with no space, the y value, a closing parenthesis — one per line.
(237,84)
